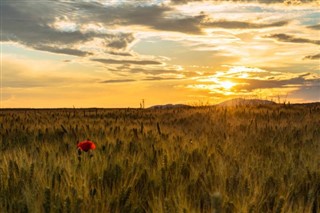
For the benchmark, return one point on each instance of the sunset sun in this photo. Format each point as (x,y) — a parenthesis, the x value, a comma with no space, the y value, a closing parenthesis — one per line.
(227,84)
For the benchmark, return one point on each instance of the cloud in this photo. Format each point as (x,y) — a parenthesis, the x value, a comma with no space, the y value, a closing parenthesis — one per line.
(64,27)
(29,24)
(287,2)
(114,61)
(121,41)
(133,80)
(67,51)
(120,53)
(153,16)
(314,27)
(253,84)
(33,24)
(117,81)
(154,71)
(242,25)
(189,25)
(313,57)
(292,39)
(160,79)
(154,78)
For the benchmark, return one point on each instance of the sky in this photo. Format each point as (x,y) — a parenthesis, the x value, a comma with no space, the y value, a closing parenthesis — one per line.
(116,53)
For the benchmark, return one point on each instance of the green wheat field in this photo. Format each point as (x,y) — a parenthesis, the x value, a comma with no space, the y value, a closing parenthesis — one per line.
(251,159)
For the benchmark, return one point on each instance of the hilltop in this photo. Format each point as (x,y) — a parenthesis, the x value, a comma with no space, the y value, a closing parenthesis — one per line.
(231,102)
(169,106)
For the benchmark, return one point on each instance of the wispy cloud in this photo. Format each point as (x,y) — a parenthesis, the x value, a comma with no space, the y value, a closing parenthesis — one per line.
(299,81)
(137,62)
(67,51)
(154,71)
(160,79)
(112,81)
(242,25)
(292,39)
(117,81)
(313,57)
(120,53)
(287,2)
(314,27)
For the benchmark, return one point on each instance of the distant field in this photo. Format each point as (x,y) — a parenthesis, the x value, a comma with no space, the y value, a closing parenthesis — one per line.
(205,159)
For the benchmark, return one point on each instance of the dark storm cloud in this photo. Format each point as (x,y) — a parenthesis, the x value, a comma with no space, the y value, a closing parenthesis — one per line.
(292,39)
(313,57)
(242,24)
(113,61)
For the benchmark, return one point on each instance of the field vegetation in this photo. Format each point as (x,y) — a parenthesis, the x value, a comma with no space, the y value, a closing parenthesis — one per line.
(201,159)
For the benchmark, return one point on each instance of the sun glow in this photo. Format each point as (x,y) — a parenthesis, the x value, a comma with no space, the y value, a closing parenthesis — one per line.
(227,84)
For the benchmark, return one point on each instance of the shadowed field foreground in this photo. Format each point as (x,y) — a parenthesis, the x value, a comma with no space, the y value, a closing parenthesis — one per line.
(206,159)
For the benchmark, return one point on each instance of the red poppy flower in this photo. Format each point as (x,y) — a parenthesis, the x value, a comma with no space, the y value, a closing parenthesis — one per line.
(86,145)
